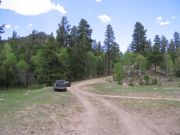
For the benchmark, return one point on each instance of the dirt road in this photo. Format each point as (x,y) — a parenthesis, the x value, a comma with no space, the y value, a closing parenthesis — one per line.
(103,117)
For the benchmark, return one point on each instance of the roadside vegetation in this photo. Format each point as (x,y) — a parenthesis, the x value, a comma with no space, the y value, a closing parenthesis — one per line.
(37,111)
(171,89)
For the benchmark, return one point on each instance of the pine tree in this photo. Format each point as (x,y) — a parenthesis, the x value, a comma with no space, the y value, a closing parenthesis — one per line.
(155,56)
(108,43)
(172,50)
(63,32)
(164,44)
(80,44)
(1,27)
(176,40)
(48,65)
(98,50)
(84,35)
(138,44)
(1,30)
(148,47)
(177,63)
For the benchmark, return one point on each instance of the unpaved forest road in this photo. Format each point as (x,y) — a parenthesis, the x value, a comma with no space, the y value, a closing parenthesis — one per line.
(103,117)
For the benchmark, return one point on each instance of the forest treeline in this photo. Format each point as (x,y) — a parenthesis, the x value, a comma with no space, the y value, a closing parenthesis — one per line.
(74,55)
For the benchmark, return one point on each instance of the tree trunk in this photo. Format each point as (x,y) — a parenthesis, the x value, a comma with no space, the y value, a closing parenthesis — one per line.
(27,79)
(129,71)
(155,68)
(139,71)
(7,80)
(108,64)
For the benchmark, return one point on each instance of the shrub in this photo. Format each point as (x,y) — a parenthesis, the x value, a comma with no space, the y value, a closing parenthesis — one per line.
(141,82)
(131,82)
(120,82)
(146,79)
(118,72)
(170,79)
(177,73)
(154,81)
(179,84)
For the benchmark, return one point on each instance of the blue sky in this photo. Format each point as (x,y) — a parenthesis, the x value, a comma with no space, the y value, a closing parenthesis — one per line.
(158,16)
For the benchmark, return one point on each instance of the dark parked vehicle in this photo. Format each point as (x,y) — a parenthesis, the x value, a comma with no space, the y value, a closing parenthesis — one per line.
(61,85)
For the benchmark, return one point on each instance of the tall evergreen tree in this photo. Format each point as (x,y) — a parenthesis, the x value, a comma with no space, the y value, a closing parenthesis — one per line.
(138,44)
(172,50)
(155,56)
(115,53)
(176,40)
(164,44)
(73,36)
(80,44)
(63,32)
(177,63)
(108,43)
(148,47)
(48,66)
(98,50)
(1,30)
(1,27)
(84,35)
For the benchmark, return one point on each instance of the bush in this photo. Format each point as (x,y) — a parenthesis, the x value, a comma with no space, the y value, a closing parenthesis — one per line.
(131,82)
(179,84)
(170,79)
(141,82)
(154,81)
(118,72)
(120,82)
(146,79)
(177,73)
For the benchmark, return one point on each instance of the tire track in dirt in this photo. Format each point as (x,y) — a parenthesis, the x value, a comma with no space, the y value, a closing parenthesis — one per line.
(133,97)
(102,117)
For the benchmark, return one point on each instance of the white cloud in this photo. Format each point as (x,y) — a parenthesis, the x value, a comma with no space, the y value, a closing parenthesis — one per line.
(16,27)
(29,25)
(7,26)
(98,1)
(173,17)
(104,18)
(159,18)
(164,23)
(32,7)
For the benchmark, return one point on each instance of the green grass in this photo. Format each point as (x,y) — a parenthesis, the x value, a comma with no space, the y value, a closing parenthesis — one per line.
(148,104)
(13,100)
(115,89)
(20,108)
(149,108)
(164,109)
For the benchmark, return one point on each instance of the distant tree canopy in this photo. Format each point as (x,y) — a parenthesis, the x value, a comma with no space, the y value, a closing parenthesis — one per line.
(74,55)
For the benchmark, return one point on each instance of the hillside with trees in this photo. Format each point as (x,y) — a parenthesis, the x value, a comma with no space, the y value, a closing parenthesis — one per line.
(73,55)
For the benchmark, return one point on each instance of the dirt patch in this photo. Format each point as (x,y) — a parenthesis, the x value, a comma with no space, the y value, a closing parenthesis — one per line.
(44,119)
(103,115)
